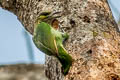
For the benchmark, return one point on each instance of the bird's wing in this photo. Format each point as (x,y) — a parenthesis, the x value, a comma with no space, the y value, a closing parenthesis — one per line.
(42,47)
(46,37)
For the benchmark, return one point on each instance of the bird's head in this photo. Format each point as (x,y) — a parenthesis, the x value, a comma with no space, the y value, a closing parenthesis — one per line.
(47,17)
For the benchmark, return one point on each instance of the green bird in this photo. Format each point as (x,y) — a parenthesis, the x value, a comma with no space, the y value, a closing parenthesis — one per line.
(49,39)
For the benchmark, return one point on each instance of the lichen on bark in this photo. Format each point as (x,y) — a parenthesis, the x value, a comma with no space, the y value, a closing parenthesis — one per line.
(93,42)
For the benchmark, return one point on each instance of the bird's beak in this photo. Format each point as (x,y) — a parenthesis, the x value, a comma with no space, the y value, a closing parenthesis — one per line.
(55,15)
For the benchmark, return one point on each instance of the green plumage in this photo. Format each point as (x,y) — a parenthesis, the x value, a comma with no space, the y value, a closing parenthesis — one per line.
(50,41)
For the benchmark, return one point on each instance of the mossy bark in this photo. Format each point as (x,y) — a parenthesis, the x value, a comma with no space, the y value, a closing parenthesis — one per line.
(94,41)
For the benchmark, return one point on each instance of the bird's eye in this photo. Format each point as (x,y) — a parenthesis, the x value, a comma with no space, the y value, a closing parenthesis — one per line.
(45,13)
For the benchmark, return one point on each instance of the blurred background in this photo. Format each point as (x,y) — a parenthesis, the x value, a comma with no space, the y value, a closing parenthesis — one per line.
(16,45)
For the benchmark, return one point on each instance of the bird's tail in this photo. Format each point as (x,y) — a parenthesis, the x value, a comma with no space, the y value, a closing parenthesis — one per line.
(65,59)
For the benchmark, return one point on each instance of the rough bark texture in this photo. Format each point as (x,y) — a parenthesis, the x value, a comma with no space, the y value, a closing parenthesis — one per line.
(94,42)
(22,72)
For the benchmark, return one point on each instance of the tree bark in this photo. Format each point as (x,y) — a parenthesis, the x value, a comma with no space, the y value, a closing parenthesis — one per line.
(94,41)
(22,72)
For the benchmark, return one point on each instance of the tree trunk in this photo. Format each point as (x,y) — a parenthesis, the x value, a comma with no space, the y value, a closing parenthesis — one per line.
(94,42)
(22,72)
